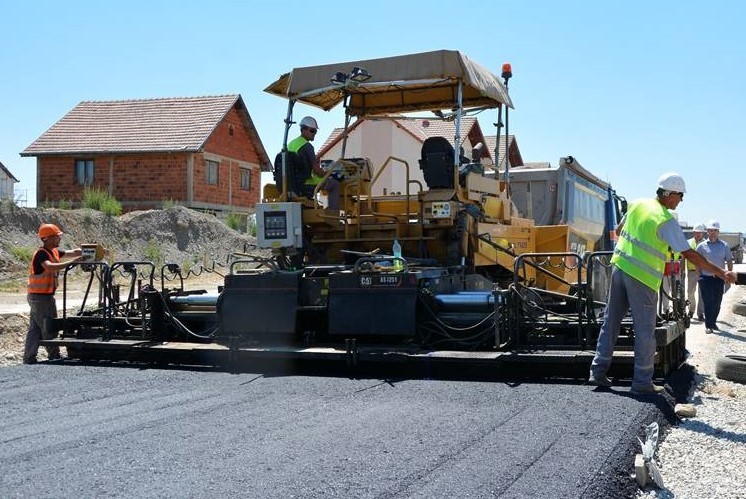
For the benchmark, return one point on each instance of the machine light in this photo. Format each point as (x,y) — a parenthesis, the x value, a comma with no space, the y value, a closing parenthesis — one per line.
(339,78)
(507,70)
(359,75)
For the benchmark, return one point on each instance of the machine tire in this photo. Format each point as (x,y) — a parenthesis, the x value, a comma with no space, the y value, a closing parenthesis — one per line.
(731,368)
(739,308)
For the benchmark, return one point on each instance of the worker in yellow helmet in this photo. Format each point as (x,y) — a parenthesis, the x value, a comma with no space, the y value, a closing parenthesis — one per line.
(44,269)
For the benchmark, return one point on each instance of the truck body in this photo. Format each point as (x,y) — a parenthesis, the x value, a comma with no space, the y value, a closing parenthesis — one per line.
(569,195)
(734,240)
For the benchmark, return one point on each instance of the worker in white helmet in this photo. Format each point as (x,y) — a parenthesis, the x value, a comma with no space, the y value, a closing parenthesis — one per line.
(639,261)
(693,295)
(711,288)
(311,173)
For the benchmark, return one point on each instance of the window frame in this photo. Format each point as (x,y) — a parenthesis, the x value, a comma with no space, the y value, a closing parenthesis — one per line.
(245,174)
(210,166)
(86,176)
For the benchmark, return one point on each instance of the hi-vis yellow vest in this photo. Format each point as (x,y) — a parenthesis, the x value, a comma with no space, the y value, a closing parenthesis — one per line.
(693,245)
(640,253)
(294,146)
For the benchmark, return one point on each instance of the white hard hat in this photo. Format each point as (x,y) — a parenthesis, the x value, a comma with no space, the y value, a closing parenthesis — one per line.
(671,181)
(309,122)
(700,228)
(713,224)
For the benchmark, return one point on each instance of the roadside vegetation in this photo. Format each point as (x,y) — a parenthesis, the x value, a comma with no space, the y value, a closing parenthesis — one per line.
(100,200)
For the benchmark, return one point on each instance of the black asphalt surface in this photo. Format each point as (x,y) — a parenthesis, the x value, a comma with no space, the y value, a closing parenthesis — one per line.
(91,431)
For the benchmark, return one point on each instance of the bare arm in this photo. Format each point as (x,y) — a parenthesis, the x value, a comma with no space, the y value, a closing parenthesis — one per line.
(703,263)
(54,267)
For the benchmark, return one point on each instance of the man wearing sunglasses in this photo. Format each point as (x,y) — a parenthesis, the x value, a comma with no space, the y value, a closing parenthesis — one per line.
(311,173)
(645,236)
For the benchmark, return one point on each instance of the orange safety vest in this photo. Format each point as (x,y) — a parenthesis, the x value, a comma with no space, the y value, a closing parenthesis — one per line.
(46,282)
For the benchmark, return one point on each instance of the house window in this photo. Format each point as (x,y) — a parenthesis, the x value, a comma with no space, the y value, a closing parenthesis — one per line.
(84,171)
(211,172)
(245,179)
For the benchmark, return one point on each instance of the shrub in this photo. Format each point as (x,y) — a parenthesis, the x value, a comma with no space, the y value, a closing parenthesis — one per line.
(233,220)
(99,200)
(170,203)
(64,204)
(93,198)
(22,253)
(153,253)
(111,207)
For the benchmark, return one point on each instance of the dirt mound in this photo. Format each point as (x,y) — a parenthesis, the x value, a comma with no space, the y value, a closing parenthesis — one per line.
(174,235)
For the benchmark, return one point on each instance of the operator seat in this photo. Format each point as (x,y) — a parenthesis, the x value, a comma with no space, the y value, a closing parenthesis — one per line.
(436,163)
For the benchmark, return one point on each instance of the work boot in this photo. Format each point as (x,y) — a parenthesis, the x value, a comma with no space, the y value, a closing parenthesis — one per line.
(708,330)
(650,389)
(31,360)
(600,380)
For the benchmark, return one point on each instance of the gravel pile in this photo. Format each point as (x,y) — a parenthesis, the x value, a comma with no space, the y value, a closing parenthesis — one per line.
(705,456)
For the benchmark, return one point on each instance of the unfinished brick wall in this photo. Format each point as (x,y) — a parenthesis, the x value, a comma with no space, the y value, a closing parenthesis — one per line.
(138,181)
(230,145)
(147,180)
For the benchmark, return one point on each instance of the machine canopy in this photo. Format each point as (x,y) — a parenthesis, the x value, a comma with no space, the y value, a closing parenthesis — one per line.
(406,83)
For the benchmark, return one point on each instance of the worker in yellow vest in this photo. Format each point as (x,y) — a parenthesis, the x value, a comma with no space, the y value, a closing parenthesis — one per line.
(639,263)
(42,283)
(311,173)
(693,295)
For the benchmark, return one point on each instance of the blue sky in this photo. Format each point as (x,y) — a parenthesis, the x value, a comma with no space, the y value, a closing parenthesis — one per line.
(630,88)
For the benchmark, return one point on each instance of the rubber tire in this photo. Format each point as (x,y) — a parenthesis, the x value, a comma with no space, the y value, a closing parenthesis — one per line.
(731,368)
(739,308)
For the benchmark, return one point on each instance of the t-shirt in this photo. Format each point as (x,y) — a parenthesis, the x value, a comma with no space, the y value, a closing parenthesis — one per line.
(307,155)
(40,257)
(671,233)
(717,252)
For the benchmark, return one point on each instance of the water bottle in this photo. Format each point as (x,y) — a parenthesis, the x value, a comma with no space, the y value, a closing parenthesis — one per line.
(396,249)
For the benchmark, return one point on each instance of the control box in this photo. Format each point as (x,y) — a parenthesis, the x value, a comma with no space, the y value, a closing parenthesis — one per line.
(279,225)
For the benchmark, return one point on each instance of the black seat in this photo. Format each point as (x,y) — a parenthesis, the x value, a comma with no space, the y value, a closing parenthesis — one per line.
(297,174)
(436,163)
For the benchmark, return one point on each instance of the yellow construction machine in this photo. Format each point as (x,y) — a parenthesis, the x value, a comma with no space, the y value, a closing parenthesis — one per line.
(490,267)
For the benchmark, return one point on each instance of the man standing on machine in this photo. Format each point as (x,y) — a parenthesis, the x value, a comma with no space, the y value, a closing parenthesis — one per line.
(42,284)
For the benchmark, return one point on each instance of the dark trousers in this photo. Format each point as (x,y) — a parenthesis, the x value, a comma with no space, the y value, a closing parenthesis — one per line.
(712,296)
(43,307)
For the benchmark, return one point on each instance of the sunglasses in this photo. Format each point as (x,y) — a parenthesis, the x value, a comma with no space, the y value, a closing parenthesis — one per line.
(681,194)
(312,130)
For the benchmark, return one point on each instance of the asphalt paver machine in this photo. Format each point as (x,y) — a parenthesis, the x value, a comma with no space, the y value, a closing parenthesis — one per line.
(448,272)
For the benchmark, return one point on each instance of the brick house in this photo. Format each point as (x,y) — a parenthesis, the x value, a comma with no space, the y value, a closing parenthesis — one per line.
(6,183)
(377,139)
(201,152)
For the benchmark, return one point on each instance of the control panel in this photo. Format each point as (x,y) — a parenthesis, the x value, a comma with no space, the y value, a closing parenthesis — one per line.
(279,225)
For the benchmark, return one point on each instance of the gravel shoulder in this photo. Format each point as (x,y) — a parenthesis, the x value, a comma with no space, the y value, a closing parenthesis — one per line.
(704,456)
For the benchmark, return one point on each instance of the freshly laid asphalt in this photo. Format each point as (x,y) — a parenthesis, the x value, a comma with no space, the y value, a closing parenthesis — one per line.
(117,430)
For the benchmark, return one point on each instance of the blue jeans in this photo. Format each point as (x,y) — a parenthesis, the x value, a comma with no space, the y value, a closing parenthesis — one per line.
(712,289)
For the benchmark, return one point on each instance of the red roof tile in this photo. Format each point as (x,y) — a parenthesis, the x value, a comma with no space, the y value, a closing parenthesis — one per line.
(180,124)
